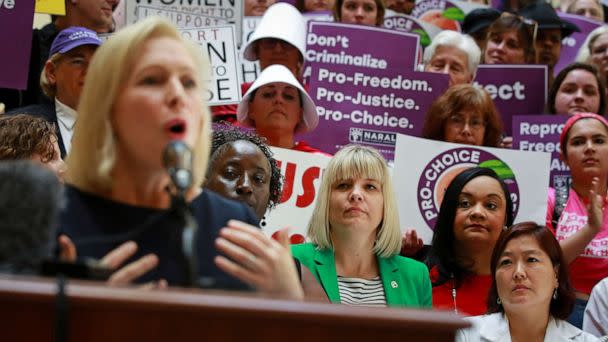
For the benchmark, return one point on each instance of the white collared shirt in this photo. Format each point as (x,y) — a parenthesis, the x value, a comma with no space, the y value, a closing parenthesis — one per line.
(595,320)
(66,118)
(495,328)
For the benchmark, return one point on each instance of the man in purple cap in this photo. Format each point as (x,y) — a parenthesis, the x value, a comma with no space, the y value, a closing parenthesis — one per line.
(96,15)
(62,80)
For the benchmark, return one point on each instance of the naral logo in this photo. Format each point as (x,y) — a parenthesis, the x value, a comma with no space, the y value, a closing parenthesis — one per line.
(440,171)
(355,135)
(368,136)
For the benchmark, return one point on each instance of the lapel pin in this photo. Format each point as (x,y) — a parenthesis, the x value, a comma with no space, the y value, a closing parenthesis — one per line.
(394,284)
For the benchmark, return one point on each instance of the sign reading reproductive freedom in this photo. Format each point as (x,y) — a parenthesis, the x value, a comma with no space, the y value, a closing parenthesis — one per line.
(572,43)
(189,13)
(16,18)
(369,107)
(360,46)
(302,172)
(219,44)
(426,168)
(541,133)
(515,89)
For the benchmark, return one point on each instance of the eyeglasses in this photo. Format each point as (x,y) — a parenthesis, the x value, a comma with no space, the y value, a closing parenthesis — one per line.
(271,43)
(475,123)
(598,50)
(530,25)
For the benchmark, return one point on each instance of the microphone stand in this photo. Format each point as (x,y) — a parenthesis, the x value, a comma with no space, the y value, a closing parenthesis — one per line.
(189,234)
(177,159)
(60,333)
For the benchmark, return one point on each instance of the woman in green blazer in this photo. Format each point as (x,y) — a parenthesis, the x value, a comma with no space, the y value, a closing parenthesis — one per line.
(355,236)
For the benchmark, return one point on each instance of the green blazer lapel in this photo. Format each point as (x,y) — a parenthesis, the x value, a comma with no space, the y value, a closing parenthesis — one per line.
(391,281)
(326,273)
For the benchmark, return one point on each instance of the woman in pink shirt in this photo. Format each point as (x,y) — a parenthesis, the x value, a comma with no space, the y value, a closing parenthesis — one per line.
(576,214)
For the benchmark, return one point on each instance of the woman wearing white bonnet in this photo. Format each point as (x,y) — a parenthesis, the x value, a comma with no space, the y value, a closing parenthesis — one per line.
(278,107)
(279,38)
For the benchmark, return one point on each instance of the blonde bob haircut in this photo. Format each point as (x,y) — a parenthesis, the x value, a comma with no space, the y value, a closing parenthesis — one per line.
(351,162)
(93,153)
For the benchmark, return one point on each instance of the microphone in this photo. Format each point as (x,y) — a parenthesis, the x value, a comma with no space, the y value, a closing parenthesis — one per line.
(177,159)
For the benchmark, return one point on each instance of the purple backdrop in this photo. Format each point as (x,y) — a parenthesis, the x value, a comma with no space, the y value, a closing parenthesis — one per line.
(572,43)
(16,42)
(541,133)
(394,49)
(369,107)
(516,89)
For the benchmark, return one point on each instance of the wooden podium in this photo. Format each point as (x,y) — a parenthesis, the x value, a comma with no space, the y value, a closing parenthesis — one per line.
(28,312)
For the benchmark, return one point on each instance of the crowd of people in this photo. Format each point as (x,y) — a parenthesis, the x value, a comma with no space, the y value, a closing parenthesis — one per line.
(110,110)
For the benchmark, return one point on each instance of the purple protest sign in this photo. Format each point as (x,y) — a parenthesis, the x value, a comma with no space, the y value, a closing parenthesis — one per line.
(16,41)
(572,43)
(541,133)
(406,23)
(496,4)
(349,45)
(445,14)
(515,89)
(370,107)
(318,16)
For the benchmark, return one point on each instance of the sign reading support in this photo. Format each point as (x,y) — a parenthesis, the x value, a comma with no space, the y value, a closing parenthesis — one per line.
(219,44)
(189,13)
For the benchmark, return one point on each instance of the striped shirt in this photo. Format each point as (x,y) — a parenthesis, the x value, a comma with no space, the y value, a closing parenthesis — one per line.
(361,292)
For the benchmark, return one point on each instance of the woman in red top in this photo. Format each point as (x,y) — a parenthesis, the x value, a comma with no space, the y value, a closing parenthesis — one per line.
(476,207)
